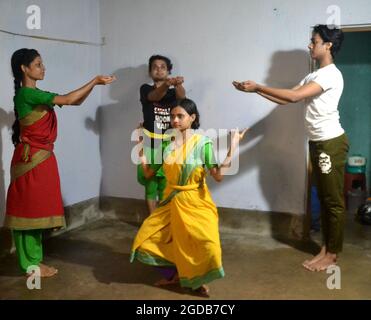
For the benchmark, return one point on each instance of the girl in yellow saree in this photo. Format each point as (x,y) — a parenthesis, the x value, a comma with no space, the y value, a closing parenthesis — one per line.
(183,231)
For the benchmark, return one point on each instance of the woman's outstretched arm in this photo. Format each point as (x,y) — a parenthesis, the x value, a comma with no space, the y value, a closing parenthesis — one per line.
(77,96)
(281,96)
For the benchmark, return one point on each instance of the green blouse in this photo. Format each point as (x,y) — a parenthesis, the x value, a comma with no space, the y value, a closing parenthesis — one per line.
(26,99)
(210,161)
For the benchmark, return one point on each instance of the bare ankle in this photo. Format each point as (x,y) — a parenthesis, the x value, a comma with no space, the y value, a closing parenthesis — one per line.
(331,255)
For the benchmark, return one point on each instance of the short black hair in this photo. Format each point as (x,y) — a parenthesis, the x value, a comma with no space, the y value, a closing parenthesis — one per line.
(169,65)
(330,34)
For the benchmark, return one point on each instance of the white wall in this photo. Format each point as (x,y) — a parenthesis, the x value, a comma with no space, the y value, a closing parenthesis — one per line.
(212,43)
(68,67)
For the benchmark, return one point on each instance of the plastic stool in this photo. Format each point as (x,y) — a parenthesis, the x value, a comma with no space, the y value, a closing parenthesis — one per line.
(354,181)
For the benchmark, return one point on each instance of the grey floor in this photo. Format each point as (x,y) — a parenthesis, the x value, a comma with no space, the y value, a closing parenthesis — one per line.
(93,263)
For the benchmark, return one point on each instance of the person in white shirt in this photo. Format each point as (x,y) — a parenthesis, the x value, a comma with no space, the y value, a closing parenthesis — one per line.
(328,144)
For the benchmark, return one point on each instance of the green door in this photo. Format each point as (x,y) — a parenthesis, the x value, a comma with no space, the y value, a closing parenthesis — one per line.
(354,61)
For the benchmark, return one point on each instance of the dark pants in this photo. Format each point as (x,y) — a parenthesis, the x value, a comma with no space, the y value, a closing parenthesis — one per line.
(328,162)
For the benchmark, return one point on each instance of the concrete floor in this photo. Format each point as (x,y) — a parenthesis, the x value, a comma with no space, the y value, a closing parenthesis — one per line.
(93,263)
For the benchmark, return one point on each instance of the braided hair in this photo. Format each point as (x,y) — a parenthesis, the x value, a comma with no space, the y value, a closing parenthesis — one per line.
(20,57)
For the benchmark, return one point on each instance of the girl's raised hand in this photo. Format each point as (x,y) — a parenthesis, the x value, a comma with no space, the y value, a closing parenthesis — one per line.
(237,136)
(242,133)
(141,151)
(139,133)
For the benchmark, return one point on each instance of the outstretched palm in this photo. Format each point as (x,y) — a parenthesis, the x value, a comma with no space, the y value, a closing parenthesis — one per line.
(103,80)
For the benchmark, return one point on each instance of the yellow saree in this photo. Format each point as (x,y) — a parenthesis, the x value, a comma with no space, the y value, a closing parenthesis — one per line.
(183,231)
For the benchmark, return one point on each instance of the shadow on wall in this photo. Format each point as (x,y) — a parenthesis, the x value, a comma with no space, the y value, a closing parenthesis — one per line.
(6,121)
(114,123)
(278,148)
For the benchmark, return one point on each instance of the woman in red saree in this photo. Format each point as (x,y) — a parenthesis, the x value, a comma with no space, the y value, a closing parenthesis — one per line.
(34,200)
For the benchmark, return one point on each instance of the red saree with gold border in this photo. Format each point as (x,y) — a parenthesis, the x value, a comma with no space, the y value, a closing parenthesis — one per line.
(34,199)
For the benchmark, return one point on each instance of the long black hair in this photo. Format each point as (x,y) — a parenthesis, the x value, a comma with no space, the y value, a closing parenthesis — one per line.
(20,57)
(333,35)
(190,107)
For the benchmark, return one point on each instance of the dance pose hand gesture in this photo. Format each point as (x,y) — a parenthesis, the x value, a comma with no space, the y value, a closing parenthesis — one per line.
(175,81)
(140,146)
(246,86)
(78,96)
(235,136)
(103,80)
(179,81)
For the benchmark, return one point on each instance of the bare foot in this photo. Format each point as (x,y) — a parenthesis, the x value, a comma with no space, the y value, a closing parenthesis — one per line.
(46,271)
(204,291)
(328,260)
(308,263)
(166,282)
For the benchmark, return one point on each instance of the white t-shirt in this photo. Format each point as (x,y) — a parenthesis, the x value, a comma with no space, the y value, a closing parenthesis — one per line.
(322,115)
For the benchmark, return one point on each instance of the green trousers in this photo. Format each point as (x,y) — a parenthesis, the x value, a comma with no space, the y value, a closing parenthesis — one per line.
(155,186)
(29,248)
(328,162)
